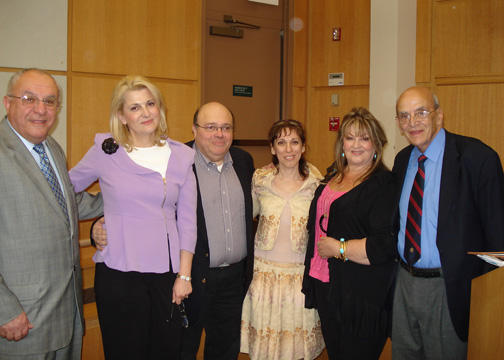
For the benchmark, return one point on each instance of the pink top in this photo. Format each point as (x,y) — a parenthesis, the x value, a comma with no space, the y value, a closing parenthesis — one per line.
(319,269)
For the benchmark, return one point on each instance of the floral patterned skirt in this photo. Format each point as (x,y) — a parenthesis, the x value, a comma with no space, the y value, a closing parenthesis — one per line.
(275,324)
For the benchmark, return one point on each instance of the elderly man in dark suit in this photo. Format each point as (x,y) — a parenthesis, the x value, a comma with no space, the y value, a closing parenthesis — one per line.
(451,202)
(40,277)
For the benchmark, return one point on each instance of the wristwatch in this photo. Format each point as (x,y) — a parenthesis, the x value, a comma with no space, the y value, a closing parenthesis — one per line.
(183,277)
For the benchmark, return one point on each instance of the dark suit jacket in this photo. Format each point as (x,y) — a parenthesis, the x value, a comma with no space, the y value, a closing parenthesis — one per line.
(471,216)
(361,295)
(244,168)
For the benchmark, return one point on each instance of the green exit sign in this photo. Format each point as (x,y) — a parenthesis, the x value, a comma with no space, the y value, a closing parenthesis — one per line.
(242,90)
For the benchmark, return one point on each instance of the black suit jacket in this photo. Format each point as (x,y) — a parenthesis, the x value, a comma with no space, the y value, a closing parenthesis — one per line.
(471,216)
(244,168)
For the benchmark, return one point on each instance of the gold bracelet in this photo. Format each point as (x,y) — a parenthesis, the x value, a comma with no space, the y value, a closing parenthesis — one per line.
(342,250)
(183,277)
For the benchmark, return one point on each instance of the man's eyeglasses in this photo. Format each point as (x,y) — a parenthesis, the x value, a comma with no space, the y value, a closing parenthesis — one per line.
(405,118)
(32,101)
(183,315)
(215,128)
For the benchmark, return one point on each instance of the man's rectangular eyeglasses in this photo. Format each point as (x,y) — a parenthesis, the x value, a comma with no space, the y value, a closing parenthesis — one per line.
(32,101)
(214,128)
(405,118)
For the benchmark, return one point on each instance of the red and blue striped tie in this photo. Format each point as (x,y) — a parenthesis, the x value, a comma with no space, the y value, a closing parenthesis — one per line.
(412,249)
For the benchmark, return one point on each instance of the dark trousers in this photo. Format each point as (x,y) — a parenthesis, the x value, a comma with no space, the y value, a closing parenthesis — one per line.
(219,315)
(421,326)
(133,309)
(340,343)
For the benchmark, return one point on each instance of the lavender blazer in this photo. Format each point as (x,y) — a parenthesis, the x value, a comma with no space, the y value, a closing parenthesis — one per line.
(148,220)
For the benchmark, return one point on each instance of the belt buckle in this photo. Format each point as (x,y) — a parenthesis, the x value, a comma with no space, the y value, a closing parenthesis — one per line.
(410,268)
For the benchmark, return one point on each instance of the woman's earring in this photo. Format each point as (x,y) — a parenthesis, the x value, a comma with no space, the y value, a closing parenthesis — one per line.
(375,156)
(342,155)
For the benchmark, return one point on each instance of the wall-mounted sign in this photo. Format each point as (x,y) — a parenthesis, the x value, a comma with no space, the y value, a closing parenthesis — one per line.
(242,90)
(336,79)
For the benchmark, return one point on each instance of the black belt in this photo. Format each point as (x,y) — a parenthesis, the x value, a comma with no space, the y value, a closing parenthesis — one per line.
(419,272)
(227,266)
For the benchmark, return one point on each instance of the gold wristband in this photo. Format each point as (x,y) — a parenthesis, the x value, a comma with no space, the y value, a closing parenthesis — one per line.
(342,250)
(183,277)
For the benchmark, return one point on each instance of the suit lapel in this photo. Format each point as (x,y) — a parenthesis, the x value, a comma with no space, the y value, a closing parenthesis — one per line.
(449,180)
(399,169)
(401,166)
(238,166)
(28,164)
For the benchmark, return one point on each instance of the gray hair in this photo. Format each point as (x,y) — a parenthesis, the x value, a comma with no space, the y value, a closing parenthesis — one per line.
(15,78)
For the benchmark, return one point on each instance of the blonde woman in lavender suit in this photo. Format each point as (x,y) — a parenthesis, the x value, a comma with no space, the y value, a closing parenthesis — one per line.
(149,194)
(275,324)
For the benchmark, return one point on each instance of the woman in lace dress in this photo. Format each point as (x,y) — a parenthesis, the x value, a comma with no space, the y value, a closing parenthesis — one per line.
(275,324)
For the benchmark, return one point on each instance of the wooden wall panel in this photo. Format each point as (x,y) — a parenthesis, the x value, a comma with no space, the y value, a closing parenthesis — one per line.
(486,332)
(423,41)
(296,57)
(299,104)
(155,38)
(320,140)
(88,266)
(467,69)
(92,116)
(298,25)
(469,38)
(476,111)
(260,154)
(92,347)
(90,112)
(351,54)
(311,94)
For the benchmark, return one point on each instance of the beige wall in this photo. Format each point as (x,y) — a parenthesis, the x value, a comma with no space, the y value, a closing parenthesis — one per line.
(34,34)
(392,65)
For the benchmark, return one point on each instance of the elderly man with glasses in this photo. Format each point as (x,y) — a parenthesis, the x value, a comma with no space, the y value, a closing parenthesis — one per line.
(40,276)
(451,201)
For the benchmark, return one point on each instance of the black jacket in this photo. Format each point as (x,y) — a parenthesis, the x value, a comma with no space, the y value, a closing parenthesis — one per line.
(244,168)
(470,218)
(361,294)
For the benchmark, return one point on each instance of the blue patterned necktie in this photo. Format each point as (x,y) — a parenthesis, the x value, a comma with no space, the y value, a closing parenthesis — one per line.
(48,172)
(412,246)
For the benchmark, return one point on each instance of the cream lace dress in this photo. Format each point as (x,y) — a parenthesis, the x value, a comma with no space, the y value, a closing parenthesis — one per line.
(275,324)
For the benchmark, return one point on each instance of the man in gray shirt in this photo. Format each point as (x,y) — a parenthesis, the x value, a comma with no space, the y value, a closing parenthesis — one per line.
(223,261)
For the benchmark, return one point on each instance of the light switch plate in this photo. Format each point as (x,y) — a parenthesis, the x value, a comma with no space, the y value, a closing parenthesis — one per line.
(335,99)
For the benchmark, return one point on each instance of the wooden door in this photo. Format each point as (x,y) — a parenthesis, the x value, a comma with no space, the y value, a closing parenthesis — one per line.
(245,73)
